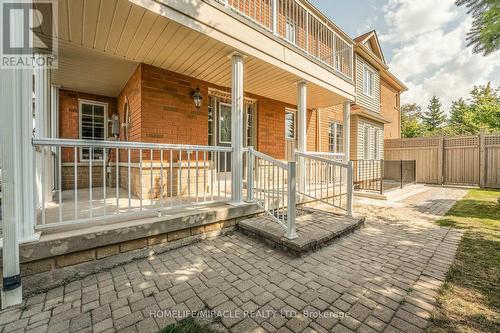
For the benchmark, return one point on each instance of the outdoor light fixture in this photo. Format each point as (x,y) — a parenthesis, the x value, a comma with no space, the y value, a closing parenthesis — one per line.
(197,97)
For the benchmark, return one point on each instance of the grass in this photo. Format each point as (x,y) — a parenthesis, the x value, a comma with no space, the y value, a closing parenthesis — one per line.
(469,300)
(189,325)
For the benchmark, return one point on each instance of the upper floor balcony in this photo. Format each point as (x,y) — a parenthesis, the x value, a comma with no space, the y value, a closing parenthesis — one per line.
(301,25)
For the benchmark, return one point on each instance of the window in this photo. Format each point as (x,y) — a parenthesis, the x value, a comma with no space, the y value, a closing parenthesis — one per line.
(376,144)
(368,81)
(93,126)
(366,143)
(290,125)
(290,31)
(335,138)
(225,123)
(250,111)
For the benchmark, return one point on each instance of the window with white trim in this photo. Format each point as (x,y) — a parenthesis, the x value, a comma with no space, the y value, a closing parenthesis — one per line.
(93,126)
(366,143)
(290,125)
(376,144)
(368,81)
(335,137)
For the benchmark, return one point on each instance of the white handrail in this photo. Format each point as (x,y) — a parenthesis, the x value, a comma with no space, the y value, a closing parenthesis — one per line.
(123,144)
(320,159)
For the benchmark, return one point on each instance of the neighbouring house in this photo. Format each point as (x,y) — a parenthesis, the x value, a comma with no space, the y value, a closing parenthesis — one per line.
(163,106)
(375,113)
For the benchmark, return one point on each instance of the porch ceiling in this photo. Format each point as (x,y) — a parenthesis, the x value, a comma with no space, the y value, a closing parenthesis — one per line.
(101,42)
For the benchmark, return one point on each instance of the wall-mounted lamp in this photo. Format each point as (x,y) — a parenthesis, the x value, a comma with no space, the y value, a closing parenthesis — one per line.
(197,97)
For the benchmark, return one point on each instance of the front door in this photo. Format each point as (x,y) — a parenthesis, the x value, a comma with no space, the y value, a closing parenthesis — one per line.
(224,135)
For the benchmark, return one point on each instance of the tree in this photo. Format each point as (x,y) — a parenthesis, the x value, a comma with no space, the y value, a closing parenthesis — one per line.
(410,120)
(485,107)
(462,119)
(434,118)
(485,31)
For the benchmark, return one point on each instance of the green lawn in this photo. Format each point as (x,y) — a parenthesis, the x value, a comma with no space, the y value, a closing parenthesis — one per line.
(469,300)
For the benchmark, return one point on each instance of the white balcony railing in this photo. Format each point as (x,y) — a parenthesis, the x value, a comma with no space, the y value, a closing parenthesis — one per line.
(294,23)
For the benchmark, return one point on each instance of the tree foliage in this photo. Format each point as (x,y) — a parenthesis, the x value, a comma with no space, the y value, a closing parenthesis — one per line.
(481,110)
(434,118)
(410,120)
(485,31)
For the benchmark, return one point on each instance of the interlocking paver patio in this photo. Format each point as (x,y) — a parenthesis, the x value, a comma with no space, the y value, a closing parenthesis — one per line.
(384,277)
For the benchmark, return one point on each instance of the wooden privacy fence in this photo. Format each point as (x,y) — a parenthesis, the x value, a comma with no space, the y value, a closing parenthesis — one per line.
(463,160)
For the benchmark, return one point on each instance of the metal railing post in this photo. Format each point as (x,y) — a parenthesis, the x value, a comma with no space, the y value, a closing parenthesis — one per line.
(275,16)
(350,188)
(381,176)
(250,162)
(291,232)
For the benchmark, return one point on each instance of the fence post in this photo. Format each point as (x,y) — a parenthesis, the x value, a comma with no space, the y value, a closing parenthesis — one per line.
(401,173)
(250,162)
(482,159)
(441,161)
(291,204)
(350,188)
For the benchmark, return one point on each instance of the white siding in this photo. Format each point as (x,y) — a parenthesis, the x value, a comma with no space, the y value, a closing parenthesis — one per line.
(372,127)
(368,102)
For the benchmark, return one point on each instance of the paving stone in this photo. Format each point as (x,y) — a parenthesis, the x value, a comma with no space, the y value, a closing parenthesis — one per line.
(386,280)
(245,326)
(128,320)
(103,325)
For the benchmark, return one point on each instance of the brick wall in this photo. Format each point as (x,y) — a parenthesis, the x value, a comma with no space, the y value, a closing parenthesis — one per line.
(162,111)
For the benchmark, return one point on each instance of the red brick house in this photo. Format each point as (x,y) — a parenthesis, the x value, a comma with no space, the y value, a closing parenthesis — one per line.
(161,110)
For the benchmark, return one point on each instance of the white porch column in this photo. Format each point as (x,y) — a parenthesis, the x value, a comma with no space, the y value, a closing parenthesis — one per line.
(237,128)
(44,175)
(17,168)
(347,130)
(302,131)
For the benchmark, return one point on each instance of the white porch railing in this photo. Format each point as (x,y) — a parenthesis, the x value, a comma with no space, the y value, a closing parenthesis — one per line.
(337,157)
(327,181)
(100,179)
(271,184)
(296,24)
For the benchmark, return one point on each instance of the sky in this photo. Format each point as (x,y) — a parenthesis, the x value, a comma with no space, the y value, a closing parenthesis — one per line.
(423,42)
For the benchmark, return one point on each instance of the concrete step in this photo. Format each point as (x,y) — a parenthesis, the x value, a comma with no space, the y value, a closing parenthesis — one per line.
(315,228)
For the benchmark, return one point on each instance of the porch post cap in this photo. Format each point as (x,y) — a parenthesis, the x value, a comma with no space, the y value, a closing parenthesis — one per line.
(301,82)
(236,53)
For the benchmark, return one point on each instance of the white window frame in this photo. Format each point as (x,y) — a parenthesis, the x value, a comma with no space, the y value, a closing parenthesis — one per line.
(219,120)
(366,142)
(91,102)
(376,143)
(294,113)
(368,86)
(337,148)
